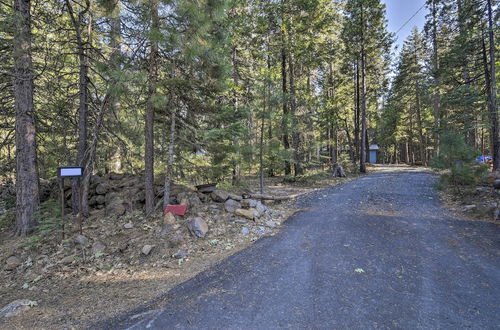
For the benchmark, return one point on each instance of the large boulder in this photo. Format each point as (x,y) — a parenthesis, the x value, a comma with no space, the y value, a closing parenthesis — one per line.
(219,196)
(95,179)
(198,227)
(251,214)
(116,176)
(100,199)
(115,207)
(237,198)
(93,200)
(231,205)
(261,209)
(102,188)
(249,203)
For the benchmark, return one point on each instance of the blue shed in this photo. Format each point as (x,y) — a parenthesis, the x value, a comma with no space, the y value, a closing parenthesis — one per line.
(373,153)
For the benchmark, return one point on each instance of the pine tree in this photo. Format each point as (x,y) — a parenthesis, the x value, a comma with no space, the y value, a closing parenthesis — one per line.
(27,190)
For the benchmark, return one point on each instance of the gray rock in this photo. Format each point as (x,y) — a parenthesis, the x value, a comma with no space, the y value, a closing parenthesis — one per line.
(245,231)
(67,260)
(260,231)
(219,196)
(115,208)
(169,218)
(496,184)
(16,307)
(249,203)
(496,214)
(95,179)
(194,200)
(180,255)
(247,213)
(204,198)
(468,208)
(116,176)
(100,199)
(146,249)
(93,200)
(98,247)
(240,221)
(102,188)
(261,209)
(271,224)
(128,225)
(231,205)
(198,227)
(236,197)
(12,263)
(81,240)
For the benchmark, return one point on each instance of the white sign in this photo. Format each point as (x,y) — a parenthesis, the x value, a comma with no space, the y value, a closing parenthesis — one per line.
(70,171)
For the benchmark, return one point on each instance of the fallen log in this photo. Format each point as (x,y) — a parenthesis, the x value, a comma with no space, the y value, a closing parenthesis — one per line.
(270,197)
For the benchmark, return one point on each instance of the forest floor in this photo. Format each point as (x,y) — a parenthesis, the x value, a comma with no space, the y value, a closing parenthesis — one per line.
(68,286)
(74,288)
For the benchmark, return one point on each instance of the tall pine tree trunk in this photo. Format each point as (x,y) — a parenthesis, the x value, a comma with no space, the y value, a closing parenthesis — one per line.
(114,63)
(83,107)
(435,68)
(293,109)
(150,111)
(357,111)
(364,145)
(284,122)
(419,124)
(170,160)
(27,187)
(492,92)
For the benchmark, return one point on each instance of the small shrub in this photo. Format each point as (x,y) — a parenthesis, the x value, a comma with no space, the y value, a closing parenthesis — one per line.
(49,219)
(457,159)
(344,160)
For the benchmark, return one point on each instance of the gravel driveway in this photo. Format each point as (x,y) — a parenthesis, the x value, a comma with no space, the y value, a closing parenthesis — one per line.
(377,252)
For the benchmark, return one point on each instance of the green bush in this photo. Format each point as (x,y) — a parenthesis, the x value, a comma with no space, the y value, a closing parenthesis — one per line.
(458,160)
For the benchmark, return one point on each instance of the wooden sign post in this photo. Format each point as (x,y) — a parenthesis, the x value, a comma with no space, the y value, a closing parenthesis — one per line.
(66,172)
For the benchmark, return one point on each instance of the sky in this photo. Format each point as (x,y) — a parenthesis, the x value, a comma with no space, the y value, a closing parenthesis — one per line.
(399,11)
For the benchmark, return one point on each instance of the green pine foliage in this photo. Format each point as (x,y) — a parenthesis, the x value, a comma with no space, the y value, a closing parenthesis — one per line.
(459,161)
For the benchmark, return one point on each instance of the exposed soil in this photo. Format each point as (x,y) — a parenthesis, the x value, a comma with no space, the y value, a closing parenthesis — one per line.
(74,287)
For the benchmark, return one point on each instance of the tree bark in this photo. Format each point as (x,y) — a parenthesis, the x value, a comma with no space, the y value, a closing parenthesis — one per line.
(284,122)
(27,185)
(87,173)
(362,160)
(83,106)
(170,161)
(150,112)
(492,91)
(419,123)
(293,109)
(435,68)
(356,112)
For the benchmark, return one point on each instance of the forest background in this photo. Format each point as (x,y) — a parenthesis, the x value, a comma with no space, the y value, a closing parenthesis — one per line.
(211,91)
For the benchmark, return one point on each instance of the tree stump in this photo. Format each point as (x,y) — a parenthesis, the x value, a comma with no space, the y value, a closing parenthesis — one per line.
(338,171)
